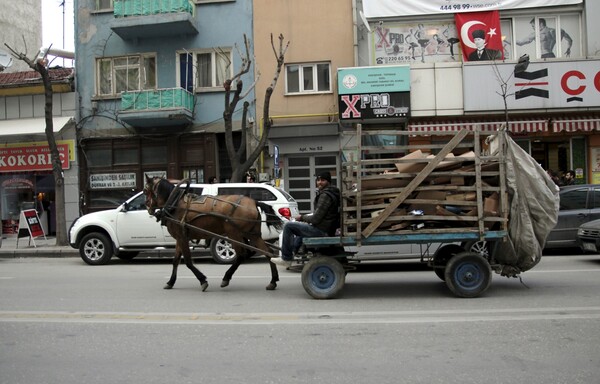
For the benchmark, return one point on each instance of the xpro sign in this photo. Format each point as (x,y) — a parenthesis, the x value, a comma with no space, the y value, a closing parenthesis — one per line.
(374,106)
(545,85)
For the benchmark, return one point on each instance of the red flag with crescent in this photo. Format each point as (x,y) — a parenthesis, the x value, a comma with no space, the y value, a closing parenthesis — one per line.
(480,36)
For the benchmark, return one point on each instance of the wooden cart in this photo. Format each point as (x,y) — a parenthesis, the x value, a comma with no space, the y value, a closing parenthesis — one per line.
(416,187)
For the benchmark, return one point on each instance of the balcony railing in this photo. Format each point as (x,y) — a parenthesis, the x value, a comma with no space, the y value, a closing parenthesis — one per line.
(155,99)
(170,107)
(125,8)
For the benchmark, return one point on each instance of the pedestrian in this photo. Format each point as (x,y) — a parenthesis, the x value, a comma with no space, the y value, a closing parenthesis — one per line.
(554,177)
(212,180)
(323,222)
(569,178)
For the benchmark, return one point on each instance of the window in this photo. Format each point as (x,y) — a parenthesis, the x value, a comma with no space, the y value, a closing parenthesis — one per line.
(205,69)
(308,78)
(546,36)
(104,5)
(128,73)
(574,199)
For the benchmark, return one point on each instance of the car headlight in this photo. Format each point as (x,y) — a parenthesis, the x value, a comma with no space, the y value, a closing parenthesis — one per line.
(579,232)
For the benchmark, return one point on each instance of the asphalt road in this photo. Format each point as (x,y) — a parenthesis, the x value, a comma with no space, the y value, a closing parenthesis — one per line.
(62,321)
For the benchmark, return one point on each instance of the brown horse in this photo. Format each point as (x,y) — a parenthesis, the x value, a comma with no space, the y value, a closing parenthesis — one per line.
(191,217)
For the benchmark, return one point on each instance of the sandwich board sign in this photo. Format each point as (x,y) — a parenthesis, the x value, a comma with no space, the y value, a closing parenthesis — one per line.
(30,226)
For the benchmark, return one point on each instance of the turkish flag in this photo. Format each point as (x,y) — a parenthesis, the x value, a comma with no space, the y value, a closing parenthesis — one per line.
(480,36)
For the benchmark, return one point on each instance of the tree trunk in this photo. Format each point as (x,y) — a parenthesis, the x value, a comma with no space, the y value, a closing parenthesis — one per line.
(57,171)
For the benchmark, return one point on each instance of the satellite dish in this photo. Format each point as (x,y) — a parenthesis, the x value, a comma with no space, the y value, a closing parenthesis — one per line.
(5,60)
(364,20)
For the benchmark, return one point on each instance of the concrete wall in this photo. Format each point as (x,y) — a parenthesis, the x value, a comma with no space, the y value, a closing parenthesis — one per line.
(21,20)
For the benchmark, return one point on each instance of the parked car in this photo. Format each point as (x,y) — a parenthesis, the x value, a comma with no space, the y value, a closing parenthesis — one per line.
(128,229)
(588,236)
(579,204)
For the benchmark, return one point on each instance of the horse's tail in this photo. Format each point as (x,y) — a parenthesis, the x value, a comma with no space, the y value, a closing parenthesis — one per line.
(272,219)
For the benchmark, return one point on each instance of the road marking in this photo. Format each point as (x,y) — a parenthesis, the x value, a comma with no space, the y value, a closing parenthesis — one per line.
(307,318)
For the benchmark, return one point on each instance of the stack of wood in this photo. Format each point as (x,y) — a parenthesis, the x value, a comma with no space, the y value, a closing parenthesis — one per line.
(425,192)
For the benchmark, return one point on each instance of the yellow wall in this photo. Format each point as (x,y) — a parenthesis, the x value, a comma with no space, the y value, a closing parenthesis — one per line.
(318,31)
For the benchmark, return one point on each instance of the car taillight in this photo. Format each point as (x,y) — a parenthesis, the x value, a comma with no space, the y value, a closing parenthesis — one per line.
(285,212)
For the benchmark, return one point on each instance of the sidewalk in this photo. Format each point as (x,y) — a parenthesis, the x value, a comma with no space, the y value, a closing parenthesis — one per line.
(44,247)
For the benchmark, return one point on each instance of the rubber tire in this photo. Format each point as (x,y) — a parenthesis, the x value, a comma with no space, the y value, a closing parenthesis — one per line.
(480,247)
(323,277)
(222,251)
(468,274)
(127,255)
(441,257)
(95,248)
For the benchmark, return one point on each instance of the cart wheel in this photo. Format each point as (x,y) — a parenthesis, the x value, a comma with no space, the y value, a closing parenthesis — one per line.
(441,257)
(468,274)
(323,277)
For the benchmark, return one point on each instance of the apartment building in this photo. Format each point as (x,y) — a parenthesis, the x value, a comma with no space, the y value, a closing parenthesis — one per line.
(151,98)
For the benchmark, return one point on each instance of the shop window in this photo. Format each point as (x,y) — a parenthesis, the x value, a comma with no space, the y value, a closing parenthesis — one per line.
(99,157)
(154,155)
(126,73)
(126,156)
(194,175)
(308,78)
(205,69)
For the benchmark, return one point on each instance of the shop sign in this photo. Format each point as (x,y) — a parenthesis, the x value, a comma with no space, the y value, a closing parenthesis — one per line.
(37,158)
(569,84)
(113,180)
(394,8)
(374,93)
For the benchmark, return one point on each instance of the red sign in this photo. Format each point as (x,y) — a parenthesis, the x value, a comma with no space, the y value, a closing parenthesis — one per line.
(33,223)
(36,158)
(480,36)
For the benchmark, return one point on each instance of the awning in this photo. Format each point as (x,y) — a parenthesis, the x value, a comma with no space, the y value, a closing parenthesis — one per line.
(570,124)
(37,125)
(517,126)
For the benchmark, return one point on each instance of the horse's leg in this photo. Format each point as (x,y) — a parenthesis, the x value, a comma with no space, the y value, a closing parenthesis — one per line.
(241,256)
(259,243)
(176,259)
(187,257)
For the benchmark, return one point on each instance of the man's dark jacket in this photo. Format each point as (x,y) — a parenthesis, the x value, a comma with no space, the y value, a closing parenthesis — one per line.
(326,216)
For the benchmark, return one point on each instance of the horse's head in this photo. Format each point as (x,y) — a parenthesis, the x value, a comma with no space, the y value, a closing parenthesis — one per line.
(157,191)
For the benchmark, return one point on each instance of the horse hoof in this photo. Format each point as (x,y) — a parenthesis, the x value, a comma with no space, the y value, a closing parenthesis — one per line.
(271,287)
(224,283)
(204,286)
(168,286)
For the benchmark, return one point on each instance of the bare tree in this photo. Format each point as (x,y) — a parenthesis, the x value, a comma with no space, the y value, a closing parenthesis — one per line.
(240,165)
(39,64)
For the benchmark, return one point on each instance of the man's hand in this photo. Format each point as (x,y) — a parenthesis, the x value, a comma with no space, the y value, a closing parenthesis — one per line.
(568,52)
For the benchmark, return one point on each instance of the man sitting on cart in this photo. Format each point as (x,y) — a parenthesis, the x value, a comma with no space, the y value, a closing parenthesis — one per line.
(322,222)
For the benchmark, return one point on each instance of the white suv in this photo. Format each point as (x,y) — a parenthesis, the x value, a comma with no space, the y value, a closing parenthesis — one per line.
(128,229)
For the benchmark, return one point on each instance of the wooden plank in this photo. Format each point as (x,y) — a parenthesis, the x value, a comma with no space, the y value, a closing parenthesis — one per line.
(415,182)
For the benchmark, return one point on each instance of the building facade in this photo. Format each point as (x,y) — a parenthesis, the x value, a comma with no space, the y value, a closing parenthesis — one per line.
(26,176)
(304,138)
(151,97)
(552,108)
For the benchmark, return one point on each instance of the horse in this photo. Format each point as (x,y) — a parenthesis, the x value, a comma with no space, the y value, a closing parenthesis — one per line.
(188,216)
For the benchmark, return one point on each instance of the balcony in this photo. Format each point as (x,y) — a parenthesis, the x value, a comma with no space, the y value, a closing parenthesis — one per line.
(169,107)
(141,19)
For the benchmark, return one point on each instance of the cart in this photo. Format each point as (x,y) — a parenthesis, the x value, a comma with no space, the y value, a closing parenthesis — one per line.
(395,191)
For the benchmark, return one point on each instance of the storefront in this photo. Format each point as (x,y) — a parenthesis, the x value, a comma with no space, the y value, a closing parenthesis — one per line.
(27,182)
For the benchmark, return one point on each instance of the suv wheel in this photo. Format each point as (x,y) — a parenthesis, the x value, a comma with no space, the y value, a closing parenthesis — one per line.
(222,251)
(95,249)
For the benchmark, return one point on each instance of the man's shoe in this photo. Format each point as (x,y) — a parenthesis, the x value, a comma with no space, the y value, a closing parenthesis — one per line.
(281,262)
